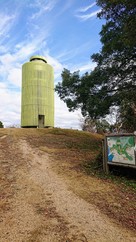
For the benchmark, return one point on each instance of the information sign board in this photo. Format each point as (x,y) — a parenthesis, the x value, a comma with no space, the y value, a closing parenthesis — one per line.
(121,149)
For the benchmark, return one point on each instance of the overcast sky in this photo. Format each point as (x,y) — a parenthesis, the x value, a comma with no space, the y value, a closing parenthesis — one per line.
(66,32)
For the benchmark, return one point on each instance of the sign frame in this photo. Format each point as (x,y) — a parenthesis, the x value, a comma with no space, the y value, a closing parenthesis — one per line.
(106,162)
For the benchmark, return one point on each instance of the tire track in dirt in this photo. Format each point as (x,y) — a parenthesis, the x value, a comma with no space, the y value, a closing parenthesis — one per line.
(84,220)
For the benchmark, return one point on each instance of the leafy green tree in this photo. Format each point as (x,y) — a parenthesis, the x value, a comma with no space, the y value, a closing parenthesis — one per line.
(116,61)
(1,125)
(112,82)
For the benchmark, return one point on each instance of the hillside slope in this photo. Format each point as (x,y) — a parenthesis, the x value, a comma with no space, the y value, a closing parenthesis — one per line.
(46,195)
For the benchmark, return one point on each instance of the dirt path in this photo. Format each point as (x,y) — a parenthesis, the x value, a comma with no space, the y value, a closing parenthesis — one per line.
(41,207)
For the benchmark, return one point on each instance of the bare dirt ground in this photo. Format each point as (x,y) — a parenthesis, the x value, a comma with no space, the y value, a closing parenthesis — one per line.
(41,200)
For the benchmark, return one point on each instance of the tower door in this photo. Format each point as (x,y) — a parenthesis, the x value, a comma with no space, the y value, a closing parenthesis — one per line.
(40,121)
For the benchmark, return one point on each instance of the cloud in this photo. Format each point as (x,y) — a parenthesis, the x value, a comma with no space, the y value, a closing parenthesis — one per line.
(84,9)
(84,67)
(27,49)
(9,106)
(14,76)
(64,118)
(42,6)
(5,23)
(7,59)
(10,68)
(3,49)
(64,8)
(67,55)
(88,16)
(56,64)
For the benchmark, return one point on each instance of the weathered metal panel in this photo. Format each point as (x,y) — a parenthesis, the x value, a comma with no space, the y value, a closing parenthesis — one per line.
(37,93)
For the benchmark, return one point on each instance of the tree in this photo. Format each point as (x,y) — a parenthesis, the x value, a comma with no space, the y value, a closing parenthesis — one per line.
(116,61)
(95,126)
(112,82)
(127,116)
(1,125)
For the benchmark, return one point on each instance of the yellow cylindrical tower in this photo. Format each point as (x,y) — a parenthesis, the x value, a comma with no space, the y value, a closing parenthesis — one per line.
(37,107)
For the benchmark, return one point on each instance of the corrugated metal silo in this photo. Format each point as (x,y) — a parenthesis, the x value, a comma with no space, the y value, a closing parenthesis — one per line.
(37,108)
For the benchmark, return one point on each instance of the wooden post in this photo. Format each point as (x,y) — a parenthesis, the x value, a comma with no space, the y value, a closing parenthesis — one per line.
(135,146)
(105,161)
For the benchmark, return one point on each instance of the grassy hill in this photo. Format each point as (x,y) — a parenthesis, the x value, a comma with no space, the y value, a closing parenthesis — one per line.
(75,158)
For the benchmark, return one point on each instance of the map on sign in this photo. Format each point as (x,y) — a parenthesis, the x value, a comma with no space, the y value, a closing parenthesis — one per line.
(121,149)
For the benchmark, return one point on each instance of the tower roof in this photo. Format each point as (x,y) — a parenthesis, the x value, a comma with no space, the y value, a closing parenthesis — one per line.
(38,57)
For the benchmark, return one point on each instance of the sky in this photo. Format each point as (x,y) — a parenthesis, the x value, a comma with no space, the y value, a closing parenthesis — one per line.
(66,32)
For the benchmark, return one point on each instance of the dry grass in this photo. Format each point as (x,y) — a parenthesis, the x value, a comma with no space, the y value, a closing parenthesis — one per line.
(70,149)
